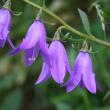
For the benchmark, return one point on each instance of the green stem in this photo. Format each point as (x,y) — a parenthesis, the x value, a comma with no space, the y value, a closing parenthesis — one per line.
(68,27)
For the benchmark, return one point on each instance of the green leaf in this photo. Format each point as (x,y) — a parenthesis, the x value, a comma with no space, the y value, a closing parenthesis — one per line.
(85,21)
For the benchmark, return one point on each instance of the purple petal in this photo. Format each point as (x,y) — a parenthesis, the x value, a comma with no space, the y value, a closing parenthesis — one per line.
(35,33)
(44,75)
(5,18)
(73,82)
(2,42)
(30,55)
(1,30)
(70,85)
(10,43)
(44,52)
(67,65)
(58,69)
(89,81)
(45,57)
(81,84)
(83,62)
(15,51)
(75,75)
(43,45)
(5,32)
(5,21)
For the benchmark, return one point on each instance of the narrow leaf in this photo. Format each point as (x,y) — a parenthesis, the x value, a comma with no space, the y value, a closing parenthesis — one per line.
(85,21)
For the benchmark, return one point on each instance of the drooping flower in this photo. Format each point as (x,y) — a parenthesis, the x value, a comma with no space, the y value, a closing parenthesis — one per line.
(59,64)
(34,42)
(5,23)
(83,74)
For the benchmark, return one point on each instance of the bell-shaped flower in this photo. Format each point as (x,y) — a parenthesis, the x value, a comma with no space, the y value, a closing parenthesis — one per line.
(83,74)
(34,42)
(59,64)
(5,23)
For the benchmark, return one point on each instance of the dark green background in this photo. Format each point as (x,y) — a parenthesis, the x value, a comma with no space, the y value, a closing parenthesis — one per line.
(17,82)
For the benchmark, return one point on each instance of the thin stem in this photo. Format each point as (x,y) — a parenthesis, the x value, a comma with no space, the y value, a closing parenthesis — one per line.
(68,27)
(10,43)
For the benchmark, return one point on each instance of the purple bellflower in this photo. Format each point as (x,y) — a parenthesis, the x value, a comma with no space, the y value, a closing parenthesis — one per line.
(5,23)
(59,64)
(82,74)
(34,42)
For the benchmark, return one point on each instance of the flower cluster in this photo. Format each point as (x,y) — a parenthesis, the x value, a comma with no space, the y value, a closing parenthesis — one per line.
(55,60)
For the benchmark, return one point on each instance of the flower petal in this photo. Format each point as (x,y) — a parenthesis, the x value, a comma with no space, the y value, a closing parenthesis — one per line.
(58,69)
(67,65)
(15,51)
(2,42)
(83,62)
(5,21)
(5,33)
(89,81)
(44,75)
(35,33)
(45,57)
(30,55)
(1,31)
(75,75)
(43,44)
(10,43)
(73,82)
(70,85)
(81,84)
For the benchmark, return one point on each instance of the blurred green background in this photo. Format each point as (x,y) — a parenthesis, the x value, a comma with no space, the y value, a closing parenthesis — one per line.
(17,82)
